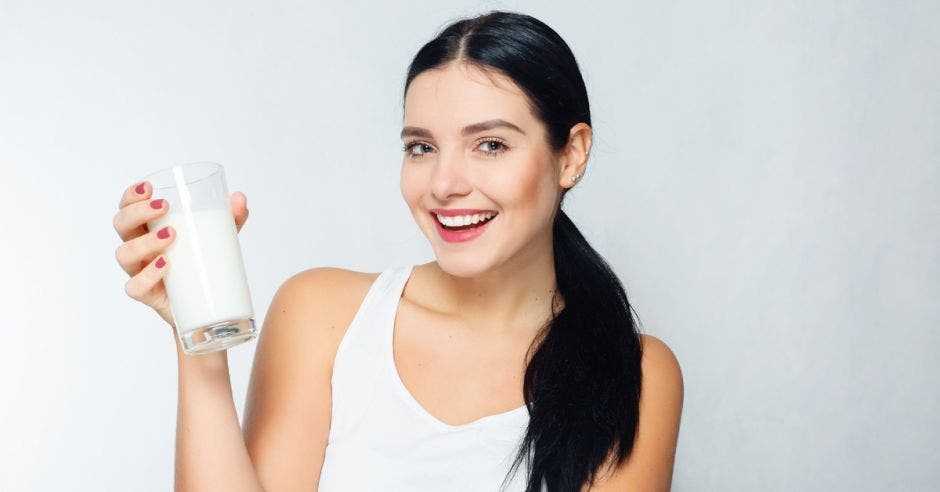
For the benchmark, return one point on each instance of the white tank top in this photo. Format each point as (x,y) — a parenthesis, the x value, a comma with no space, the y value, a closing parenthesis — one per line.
(382,439)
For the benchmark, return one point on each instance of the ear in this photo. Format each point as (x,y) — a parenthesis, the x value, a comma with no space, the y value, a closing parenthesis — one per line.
(575,155)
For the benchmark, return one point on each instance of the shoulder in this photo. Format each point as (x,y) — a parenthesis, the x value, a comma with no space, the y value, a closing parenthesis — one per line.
(650,464)
(660,365)
(662,388)
(322,291)
(323,287)
(288,406)
(325,280)
(314,307)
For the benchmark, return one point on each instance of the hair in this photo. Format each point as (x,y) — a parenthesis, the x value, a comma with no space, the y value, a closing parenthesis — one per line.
(582,384)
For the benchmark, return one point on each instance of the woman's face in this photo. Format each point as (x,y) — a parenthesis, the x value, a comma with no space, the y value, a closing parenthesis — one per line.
(451,165)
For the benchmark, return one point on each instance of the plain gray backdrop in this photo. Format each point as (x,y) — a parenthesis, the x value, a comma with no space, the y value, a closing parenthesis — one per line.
(764,181)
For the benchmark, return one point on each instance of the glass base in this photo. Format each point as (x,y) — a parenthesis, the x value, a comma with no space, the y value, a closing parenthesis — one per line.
(218,336)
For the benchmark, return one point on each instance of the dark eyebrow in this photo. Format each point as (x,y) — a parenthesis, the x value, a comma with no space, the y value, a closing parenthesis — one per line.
(413,131)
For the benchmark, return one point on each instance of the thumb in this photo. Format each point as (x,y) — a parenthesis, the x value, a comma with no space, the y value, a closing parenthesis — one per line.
(239,204)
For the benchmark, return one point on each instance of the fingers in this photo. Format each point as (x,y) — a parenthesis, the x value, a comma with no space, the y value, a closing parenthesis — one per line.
(136,209)
(142,285)
(134,254)
(131,220)
(135,192)
(239,208)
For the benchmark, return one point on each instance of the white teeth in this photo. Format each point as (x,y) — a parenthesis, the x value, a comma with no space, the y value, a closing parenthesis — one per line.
(462,220)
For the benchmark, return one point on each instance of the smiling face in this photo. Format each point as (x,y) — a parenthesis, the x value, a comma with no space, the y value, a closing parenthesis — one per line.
(505,166)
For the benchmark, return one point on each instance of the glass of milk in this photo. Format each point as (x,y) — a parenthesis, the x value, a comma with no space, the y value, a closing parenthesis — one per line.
(206,284)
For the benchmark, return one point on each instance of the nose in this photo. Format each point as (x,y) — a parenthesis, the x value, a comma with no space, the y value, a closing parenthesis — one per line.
(450,176)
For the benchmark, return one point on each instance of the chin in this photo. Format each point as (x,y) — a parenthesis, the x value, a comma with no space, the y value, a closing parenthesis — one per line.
(462,265)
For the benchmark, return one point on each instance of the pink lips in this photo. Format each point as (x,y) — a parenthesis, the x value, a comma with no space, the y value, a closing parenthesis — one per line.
(451,236)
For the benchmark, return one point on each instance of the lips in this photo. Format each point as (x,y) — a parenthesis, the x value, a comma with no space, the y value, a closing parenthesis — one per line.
(460,235)
(492,215)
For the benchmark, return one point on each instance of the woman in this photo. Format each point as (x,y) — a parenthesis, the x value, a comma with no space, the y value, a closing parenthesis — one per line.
(517,346)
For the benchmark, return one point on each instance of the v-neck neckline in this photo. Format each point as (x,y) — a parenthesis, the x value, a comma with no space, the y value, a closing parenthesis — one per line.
(403,276)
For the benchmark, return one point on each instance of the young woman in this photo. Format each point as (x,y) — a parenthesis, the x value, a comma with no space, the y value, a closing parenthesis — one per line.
(516,346)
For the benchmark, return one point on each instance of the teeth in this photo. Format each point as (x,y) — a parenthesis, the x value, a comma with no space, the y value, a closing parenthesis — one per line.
(462,220)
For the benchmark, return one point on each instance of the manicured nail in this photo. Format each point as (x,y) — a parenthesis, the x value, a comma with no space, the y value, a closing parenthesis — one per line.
(164,233)
(157,204)
(140,189)
(161,262)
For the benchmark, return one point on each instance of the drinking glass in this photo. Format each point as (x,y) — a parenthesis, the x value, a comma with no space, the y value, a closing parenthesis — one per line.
(206,284)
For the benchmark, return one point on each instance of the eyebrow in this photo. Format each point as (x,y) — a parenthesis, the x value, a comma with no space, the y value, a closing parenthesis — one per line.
(414,131)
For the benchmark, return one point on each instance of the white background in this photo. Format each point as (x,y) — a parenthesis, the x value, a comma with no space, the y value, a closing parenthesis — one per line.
(764,180)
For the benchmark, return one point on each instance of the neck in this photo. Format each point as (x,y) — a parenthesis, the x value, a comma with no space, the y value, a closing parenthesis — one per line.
(512,298)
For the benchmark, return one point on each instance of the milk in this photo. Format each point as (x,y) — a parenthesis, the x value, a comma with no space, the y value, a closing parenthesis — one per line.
(206,282)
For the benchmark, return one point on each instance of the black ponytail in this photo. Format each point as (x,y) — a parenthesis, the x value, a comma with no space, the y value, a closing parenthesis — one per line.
(582,383)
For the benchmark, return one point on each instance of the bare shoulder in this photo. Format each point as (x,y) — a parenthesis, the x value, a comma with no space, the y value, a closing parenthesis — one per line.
(288,406)
(331,283)
(650,464)
(663,388)
(319,303)
(327,280)
(660,363)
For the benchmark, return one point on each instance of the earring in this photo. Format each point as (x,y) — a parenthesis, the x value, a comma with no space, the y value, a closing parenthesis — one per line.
(576,176)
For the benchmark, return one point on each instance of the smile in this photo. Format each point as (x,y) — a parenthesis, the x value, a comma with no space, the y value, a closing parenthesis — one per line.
(462,228)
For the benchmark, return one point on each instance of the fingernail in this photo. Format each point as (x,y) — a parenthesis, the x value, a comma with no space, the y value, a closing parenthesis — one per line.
(140,189)
(161,262)
(157,204)
(164,233)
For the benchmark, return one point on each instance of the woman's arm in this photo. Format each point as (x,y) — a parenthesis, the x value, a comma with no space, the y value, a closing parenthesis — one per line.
(210,452)
(289,403)
(288,406)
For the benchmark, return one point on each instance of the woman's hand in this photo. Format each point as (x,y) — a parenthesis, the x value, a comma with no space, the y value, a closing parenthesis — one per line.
(141,253)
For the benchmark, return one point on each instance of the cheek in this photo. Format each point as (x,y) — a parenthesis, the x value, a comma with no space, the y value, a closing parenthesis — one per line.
(411,184)
(531,191)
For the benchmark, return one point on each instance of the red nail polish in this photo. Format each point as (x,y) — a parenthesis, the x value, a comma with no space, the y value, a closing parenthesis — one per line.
(164,233)
(140,189)
(157,204)
(161,262)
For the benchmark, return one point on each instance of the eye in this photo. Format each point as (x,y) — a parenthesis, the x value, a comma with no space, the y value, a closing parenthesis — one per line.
(413,144)
(493,146)
(490,146)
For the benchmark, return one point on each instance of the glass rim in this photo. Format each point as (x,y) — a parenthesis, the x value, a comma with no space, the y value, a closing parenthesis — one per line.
(214,169)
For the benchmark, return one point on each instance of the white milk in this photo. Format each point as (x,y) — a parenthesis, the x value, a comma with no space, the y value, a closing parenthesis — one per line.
(206,282)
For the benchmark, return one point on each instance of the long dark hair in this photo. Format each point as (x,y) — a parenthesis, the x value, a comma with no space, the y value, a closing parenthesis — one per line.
(582,385)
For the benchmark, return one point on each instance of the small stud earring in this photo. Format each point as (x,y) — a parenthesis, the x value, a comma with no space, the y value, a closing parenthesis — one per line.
(575,177)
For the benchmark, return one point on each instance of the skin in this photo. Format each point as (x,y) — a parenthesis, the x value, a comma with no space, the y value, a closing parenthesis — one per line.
(470,315)
(503,280)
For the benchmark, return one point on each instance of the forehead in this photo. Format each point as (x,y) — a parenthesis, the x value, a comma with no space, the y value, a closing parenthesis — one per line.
(460,94)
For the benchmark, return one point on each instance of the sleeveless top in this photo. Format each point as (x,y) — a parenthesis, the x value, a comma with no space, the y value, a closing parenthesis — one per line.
(382,439)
